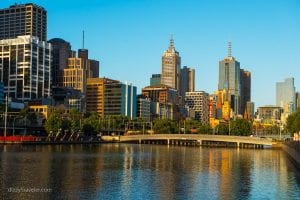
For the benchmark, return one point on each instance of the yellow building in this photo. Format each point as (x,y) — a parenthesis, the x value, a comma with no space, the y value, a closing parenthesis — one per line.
(44,110)
(213,122)
(223,104)
(76,74)
(226,110)
(95,94)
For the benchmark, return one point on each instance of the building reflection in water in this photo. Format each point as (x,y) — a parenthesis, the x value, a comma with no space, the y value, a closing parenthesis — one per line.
(129,171)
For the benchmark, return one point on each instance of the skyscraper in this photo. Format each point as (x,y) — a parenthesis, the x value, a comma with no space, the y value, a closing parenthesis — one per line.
(23,19)
(187,80)
(171,62)
(286,95)
(61,51)
(245,89)
(94,67)
(229,79)
(25,67)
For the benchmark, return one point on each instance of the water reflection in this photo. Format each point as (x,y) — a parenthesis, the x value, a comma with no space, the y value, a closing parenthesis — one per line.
(121,171)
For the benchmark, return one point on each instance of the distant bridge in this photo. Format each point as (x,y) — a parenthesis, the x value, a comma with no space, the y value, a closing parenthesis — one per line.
(194,139)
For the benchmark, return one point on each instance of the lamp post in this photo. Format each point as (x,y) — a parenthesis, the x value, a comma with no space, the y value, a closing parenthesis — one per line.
(14,125)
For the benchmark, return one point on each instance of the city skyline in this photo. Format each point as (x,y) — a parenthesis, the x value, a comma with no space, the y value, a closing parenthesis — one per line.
(133,35)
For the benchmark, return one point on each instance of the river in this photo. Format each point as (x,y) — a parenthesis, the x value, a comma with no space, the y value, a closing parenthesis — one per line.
(133,171)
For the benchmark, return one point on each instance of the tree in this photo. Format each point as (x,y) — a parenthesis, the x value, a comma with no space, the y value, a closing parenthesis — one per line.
(204,129)
(293,122)
(164,126)
(240,127)
(190,125)
(28,118)
(222,129)
(75,118)
(54,122)
(91,124)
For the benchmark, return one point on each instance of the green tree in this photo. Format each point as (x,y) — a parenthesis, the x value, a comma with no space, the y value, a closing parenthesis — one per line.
(165,126)
(54,122)
(117,121)
(293,122)
(240,127)
(190,125)
(222,129)
(75,117)
(204,129)
(91,124)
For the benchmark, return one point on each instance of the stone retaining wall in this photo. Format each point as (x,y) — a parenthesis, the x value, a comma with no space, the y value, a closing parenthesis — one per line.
(293,150)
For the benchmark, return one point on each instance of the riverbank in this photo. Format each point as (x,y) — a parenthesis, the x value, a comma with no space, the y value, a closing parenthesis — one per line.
(48,142)
(34,140)
(293,150)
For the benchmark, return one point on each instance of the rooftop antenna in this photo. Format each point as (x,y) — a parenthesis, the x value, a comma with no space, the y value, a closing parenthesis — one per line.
(229,49)
(83,39)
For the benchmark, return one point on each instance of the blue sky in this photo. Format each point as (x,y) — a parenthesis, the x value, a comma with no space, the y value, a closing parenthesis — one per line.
(129,37)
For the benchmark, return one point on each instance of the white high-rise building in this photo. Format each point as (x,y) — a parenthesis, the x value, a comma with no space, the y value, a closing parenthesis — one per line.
(25,67)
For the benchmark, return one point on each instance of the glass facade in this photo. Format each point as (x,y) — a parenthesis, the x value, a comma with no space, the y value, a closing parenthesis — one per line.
(155,79)
(229,79)
(129,103)
(286,95)
(187,80)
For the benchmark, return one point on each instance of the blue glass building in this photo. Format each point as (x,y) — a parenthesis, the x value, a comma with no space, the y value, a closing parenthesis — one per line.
(128,100)
(230,80)
(286,95)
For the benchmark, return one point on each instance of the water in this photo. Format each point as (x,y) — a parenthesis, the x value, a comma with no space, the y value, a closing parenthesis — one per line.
(130,171)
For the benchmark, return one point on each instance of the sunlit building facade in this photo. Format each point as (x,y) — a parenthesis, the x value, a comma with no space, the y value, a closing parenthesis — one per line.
(171,63)
(23,19)
(110,97)
(25,67)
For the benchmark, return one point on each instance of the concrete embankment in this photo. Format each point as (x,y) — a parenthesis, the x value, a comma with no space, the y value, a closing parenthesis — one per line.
(293,150)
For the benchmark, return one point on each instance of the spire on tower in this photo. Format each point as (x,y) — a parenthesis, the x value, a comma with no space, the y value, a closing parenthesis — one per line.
(229,49)
(171,41)
(83,39)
